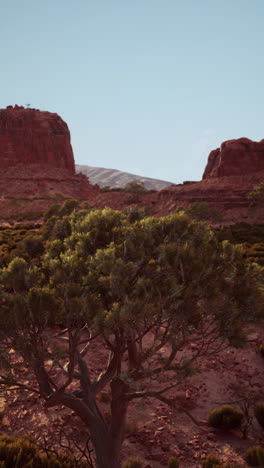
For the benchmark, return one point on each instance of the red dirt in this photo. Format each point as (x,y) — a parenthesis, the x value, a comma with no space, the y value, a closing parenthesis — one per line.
(154,431)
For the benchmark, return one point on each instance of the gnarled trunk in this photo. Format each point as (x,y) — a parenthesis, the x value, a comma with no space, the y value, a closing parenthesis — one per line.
(106,440)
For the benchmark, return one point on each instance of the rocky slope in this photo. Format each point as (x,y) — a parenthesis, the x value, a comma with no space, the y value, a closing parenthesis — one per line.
(38,170)
(114,178)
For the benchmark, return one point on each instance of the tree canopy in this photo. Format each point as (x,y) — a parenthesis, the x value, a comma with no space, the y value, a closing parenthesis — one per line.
(136,288)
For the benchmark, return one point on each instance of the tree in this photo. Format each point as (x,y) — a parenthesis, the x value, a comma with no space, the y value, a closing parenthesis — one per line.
(137,289)
(202,211)
(257,194)
(135,186)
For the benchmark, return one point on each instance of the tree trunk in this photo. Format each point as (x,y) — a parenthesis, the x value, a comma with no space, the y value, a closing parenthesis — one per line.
(107,445)
(107,450)
(133,353)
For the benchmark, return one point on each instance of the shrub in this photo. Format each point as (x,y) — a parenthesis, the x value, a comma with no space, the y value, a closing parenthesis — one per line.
(173,462)
(225,418)
(32,245)
(68,207)
(254,456)
(133,463)
(261,350)
(20,452)
(259,414)
(135,186)
(202,211)
(52,211)
(211,462)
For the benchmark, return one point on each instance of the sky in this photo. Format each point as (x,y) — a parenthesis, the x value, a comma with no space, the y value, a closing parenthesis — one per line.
(146,86)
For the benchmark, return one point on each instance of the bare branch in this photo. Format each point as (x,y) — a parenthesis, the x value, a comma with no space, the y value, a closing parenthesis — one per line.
(13,383)
(105,377)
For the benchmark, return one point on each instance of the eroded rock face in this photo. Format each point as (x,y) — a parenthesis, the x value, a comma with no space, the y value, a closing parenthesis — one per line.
(235,158)
(37,163)
(30,136)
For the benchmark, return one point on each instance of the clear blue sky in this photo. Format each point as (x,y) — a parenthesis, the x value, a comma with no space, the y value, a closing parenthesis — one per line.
(145,86)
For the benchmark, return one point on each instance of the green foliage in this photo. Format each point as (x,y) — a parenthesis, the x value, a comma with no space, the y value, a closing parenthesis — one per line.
(135,186)
(202,211)
(21,452)
(241,233)
(33,304)
(133,463)
(33,246)
(173,462)
(211,462)
(259,414)
(135,213)
(57,225)
(23,241)
(254,456)
(257,194)
(52,211)
(249,237)
(68,207)
(225,418)
(116,279)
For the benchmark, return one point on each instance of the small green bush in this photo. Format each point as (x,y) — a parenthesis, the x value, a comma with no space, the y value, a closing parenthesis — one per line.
(133,463)
(254,456)
(21,452)
(173,462)
(211,462)
(259,414)
(225,418)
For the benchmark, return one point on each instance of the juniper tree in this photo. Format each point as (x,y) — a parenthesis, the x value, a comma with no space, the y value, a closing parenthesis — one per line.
(138,289)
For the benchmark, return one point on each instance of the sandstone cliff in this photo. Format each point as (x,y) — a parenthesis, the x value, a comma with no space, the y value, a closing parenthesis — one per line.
(37,163)
(28,136)
(235,158)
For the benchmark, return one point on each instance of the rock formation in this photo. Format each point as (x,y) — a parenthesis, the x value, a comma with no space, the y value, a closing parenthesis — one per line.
(37,163)
(231,173)
(28,136)
(37,170)
(235,158)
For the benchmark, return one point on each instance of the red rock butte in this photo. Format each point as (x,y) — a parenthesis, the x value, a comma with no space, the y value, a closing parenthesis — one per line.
(235,158)
(28,136)
(37,162)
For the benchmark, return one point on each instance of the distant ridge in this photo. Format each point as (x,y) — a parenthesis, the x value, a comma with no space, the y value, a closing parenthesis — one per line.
(114,178)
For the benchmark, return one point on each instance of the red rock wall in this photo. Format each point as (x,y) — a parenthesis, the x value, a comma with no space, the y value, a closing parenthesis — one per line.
(235,158)
(30,136)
